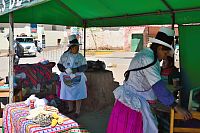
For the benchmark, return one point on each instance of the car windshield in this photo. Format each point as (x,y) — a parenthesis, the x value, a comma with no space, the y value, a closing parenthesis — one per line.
(24,39)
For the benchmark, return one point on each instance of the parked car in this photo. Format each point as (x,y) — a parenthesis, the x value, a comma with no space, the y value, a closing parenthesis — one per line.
(25,46)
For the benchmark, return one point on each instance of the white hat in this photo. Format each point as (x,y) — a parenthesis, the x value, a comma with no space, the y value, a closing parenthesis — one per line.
(73,41)
(164,37)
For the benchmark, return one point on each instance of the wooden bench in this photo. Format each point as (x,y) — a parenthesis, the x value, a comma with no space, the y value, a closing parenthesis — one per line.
(175,116)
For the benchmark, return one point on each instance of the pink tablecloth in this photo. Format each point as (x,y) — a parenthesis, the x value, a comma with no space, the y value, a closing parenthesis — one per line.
(14,121)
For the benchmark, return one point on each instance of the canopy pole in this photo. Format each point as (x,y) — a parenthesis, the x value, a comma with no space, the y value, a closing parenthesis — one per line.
(172,15)
(84,30)
(11,56)
(167,5)
(173,23)
(173,20)
(171,10)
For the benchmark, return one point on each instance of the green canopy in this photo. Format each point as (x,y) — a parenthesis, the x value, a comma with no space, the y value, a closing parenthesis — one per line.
(94,13)
(98,13)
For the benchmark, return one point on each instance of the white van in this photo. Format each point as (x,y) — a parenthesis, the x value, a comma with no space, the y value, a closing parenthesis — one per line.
(25,45)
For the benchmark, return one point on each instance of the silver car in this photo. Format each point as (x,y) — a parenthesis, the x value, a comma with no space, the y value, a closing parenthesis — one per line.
(25,46)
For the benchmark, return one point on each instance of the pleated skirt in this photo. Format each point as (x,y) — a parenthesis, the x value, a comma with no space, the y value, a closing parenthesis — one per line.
(124,120)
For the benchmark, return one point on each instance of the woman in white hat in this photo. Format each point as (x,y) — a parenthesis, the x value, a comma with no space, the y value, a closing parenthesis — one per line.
(73,64)
(142,87)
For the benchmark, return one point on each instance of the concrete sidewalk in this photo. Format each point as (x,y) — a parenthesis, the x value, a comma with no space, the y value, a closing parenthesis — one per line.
(128,55)
(3,53)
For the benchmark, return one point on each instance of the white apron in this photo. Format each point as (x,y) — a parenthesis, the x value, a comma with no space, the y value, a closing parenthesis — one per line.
(75,88)
(73,91)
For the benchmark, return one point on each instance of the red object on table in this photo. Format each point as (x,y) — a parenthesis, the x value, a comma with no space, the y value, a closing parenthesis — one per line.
(32,104)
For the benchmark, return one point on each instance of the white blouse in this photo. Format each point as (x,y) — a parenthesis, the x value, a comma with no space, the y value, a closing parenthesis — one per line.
(135,92)
(141,82)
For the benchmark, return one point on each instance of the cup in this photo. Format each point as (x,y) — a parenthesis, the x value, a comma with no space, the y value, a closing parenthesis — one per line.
(176,82)
(32,104)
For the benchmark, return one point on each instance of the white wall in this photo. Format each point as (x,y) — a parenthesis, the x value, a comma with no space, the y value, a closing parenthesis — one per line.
(3,42)
(52,37)
(96,37)
(107,38)
(49,27)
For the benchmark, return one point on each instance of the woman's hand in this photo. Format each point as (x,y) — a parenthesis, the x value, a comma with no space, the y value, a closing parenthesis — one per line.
(68,70)
(186,114)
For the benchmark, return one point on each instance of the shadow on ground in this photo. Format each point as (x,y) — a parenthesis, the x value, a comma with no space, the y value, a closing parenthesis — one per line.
(94,121)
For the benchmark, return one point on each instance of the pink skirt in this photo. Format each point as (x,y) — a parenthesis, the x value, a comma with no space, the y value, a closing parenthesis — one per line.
(124,120)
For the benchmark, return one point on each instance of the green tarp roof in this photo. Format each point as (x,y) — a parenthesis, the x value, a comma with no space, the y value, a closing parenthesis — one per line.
(96,13)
